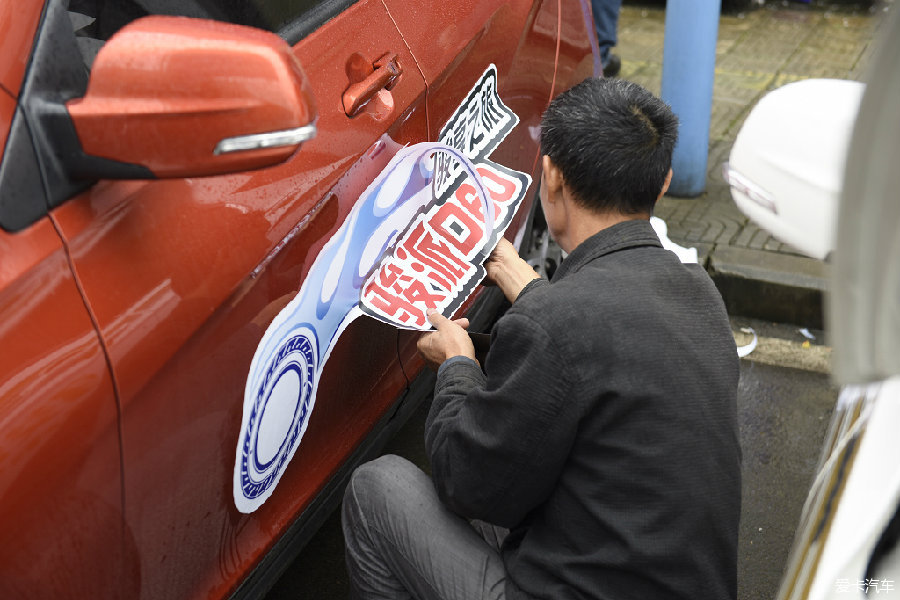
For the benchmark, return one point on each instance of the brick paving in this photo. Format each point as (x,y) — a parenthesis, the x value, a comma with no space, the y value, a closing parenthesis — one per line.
(757,51)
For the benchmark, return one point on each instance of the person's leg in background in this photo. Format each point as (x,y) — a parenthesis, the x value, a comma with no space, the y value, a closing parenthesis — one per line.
(606,22)
(402,542)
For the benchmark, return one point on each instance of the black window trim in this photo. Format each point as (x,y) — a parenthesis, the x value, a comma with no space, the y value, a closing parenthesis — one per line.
(315,18)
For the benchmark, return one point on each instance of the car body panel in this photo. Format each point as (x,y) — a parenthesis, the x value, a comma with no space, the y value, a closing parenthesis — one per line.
(545,32)
(59,452)
(479,35)
(23,252)
(184,277)
(863,313)
(18,23)
(7,110)
(852,500)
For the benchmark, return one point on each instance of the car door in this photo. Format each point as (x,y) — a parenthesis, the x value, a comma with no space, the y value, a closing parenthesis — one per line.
(185,275)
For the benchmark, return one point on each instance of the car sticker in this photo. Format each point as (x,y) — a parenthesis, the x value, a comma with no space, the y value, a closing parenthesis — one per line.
(477,127)
(438,261)
(415,240)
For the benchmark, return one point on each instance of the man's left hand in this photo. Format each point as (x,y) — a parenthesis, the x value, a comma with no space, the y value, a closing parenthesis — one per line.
(449,339)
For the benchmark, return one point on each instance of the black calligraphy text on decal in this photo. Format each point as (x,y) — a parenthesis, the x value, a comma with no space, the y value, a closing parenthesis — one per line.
(476,128)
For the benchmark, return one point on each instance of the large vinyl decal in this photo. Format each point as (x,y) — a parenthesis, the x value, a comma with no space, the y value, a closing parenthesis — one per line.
(415,240)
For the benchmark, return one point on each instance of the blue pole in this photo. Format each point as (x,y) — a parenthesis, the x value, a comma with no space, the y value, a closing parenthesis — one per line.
(689,62)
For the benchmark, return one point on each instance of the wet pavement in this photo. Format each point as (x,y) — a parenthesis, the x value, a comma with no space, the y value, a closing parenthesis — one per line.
(783,415)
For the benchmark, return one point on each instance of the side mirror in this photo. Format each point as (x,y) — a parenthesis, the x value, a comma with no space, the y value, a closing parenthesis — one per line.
(188,97)
(787,164)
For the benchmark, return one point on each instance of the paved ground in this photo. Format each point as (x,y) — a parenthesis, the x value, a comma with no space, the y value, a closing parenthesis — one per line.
(757,51)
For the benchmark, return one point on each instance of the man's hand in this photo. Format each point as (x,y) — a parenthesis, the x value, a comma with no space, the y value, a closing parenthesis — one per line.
(508,270)
(449,339)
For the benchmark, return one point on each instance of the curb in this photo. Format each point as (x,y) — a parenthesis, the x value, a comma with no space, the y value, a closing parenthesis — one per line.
(769,285)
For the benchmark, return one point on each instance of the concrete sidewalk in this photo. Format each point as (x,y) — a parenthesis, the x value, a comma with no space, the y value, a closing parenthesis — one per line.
(757,51)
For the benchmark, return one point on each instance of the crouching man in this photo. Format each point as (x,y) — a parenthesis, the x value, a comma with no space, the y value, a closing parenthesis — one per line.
(596,453)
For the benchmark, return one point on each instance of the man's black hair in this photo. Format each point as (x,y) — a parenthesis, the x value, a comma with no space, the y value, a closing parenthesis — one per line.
(612,140)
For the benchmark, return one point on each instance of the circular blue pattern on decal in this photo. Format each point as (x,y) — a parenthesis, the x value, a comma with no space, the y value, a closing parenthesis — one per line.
(297,355)
(291,368)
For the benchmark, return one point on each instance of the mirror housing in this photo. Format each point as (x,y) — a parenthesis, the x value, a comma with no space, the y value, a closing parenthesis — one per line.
(185,97)
(787,163)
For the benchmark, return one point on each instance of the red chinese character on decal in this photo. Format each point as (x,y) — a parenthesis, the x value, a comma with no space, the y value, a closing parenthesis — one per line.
(393,305)
(456,225)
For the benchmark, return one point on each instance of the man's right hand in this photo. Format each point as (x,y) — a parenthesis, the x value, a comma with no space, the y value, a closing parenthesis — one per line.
(508,271)
(448,339)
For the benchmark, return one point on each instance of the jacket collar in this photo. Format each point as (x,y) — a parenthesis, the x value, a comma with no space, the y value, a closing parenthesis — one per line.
(627,234)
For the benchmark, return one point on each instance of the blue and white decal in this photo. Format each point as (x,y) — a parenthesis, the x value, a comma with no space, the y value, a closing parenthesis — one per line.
(412,242)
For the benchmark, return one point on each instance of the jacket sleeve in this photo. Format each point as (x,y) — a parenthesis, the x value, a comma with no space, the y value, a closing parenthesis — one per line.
(497,442)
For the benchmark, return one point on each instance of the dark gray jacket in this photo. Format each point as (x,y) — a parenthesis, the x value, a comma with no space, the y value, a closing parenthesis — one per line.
(603,430)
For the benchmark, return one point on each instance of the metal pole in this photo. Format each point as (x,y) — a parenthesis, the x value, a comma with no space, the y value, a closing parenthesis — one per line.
(689,61)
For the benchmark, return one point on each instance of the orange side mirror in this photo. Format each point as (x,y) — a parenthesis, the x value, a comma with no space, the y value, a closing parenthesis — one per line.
(190,97)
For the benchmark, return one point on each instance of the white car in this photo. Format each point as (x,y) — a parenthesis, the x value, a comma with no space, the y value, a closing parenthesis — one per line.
(816,164)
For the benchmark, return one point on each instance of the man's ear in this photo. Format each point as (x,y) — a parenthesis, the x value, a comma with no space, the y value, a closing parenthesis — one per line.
(553,177)
(666,183)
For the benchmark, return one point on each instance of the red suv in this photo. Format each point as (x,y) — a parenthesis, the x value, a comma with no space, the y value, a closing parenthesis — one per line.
(164,194)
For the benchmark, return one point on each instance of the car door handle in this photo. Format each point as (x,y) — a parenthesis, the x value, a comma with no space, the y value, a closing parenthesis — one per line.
(384,77)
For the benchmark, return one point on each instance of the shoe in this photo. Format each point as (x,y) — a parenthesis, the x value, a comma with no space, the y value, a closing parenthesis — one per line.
(612,66)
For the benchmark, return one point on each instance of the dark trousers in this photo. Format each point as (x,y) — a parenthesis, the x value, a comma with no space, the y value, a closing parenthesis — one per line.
(606,21)
(402,542)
